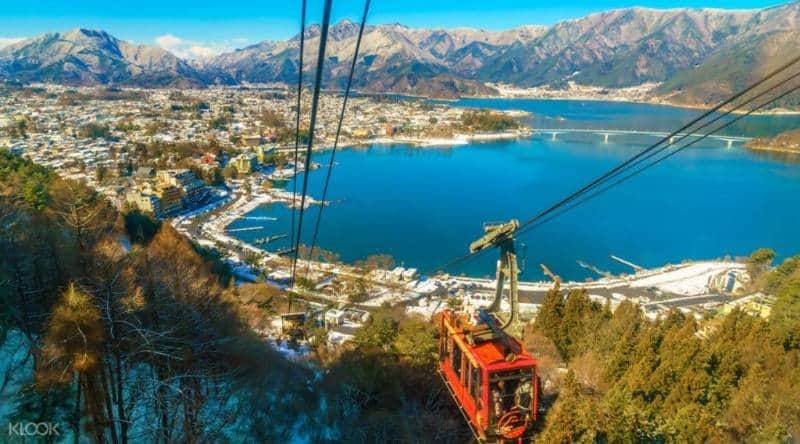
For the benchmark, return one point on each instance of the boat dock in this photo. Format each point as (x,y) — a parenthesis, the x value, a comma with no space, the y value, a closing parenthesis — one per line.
(624,262)
(591,267)
(268,239)
(257,218)
(235,230)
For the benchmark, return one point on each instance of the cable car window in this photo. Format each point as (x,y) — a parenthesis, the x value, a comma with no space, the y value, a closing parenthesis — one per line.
(457,361)
(475,388)
(509,390)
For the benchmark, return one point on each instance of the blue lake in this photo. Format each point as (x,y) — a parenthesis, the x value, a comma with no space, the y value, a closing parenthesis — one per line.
(424,206)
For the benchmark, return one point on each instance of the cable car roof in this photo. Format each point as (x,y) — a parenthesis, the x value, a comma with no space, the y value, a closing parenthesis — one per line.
(488,354)
(491,354)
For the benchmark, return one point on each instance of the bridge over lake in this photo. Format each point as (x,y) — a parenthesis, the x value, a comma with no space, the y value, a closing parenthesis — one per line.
(606,133)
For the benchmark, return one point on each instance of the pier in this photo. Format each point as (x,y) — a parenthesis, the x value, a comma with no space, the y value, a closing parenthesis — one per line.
(236,230)
(257,218)
(591,267)
(624,262)
(269,239)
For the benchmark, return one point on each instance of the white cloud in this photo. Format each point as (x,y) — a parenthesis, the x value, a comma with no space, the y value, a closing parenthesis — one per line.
(5,41)
(191,49)
(202,51)
(168,41)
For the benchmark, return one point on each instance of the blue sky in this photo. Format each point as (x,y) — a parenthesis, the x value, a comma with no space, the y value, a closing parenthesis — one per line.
(194,28)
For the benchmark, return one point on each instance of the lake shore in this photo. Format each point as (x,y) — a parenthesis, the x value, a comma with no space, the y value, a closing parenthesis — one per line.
(644,101)
(457,139)
(420,142)
(773,149)
(642,94)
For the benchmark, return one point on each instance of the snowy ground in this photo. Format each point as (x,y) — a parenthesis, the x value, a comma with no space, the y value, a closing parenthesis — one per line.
(685,279)
(675,285)
(690,280)
(16,370)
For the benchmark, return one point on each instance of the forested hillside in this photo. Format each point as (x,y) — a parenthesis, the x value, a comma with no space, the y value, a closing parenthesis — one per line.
(733,379)
(118,341)
(788,142)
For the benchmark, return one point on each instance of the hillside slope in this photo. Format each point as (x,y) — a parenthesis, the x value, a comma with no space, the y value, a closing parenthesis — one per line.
(771,40)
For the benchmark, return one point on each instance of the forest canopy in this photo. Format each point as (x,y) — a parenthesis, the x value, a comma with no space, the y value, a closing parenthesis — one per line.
(123,340)
(730,379)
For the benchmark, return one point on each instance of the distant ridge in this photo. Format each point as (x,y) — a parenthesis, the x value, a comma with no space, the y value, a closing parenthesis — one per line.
(699,55)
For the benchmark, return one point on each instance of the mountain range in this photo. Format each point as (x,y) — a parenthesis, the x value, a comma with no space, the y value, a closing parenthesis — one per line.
(697,55)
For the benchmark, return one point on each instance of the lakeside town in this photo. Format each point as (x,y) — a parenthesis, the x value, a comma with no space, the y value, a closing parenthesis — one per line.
(205,158)
(643,93)
(116,140)
(646,92)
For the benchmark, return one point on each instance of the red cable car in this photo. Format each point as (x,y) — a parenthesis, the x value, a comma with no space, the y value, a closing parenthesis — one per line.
(487,371)
(493,381)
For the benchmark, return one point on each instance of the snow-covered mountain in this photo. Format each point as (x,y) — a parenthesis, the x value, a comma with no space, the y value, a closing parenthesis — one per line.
(698,54)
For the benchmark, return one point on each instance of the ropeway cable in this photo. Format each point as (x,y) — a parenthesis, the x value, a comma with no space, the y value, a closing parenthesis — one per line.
(338,132)
(619,167)
(657,161)
(323,40)
(636,159)
(695,132)
(297,114)
(466,257)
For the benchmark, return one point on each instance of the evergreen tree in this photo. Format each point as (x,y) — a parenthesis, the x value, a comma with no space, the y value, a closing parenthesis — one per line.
(548,319)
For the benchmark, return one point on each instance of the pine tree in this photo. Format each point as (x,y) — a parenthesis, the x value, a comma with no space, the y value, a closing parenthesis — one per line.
(73,351)
(573,419)
(548,319)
